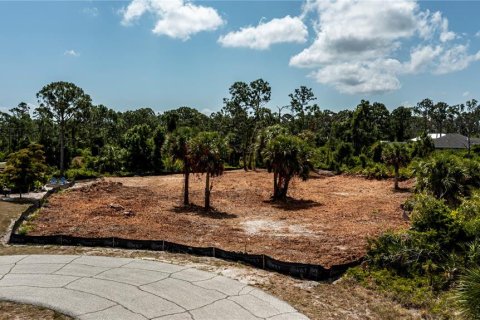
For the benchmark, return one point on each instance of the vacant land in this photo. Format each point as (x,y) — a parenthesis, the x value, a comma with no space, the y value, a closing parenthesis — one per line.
(327,221)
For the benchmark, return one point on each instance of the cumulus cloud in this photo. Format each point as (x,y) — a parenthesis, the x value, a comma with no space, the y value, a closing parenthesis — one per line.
(176,19)
(361,77)
(421,58)
(71,53)
(261,37)
(357,44)
(454,59)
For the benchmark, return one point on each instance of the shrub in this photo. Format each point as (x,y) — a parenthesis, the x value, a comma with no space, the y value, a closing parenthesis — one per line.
(343,154)
(377,171)
(79,174)
(376,151)
(444,177)
(433,215)
(468,294)
(404,252)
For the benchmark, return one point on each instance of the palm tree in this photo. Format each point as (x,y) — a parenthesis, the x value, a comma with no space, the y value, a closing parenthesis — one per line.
(442,176)
(177,146)
(468,294)
(396,155)
(286,156)
(208,150)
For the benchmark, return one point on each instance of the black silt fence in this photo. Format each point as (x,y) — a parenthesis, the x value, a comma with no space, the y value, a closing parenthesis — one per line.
(299,270)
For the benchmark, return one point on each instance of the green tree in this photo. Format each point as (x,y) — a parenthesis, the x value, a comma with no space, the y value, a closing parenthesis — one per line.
(157,142)
(248,116)
(62,100)
(177,145)
(111,159)
(265,136)
(139,149)
(287,156)
(370,123)
(397,155)
(300,106)
(401,120)
(440,114)
(25,168)
(208,151)
(424,109)
(469,120)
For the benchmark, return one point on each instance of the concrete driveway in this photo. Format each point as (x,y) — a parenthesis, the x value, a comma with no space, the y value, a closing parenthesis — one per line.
(92,287)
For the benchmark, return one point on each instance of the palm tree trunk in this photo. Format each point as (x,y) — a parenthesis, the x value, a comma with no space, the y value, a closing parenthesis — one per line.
(275,184)
(283,195)
(207,191)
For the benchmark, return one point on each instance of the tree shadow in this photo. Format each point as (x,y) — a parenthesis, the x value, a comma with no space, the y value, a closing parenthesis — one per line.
(200,211)
(402,190)
(292,204)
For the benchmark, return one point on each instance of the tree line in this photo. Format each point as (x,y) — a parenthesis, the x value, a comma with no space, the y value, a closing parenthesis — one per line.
(82,139)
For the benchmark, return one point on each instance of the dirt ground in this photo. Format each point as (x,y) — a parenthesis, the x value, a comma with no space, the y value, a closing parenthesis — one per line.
(18,311)
(326,222)
(318,300)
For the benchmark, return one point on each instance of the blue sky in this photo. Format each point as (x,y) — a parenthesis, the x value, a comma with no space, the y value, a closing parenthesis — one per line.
(169,53)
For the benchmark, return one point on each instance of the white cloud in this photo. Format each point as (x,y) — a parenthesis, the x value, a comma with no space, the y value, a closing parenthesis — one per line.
(91,11)
(357,44)
(361,77)
(177,19)
(477,34)
(71,53)
(421,58)
(262,36)
(466,94)
(455,58)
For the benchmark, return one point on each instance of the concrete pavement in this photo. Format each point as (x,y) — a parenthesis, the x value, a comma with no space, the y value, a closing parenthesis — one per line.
(92,287)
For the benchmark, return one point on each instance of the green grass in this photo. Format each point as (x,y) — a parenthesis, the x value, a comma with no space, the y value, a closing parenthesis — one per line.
(411,292)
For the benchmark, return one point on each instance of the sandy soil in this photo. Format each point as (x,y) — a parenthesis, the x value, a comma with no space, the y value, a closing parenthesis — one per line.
(327,221)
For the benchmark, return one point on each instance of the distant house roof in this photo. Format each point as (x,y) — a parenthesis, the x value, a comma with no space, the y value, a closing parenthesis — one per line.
(431,135)
(454,141)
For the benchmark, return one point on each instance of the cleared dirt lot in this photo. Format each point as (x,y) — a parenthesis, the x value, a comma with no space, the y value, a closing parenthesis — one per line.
(327,223)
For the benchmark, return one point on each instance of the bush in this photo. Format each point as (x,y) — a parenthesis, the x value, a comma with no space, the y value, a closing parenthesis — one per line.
(79,174)
(433,215)
(343,154)
(409,291)
(404,252)
(171,165)
(377,171)
(443,176)
(468,294)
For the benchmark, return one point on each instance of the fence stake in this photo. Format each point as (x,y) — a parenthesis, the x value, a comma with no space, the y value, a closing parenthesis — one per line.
(163,245)
(213,250)
(263,260)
